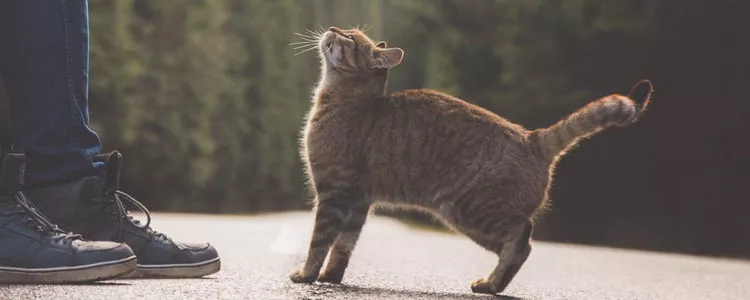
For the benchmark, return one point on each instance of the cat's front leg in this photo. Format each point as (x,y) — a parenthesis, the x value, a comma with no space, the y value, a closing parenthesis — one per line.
(333,208)
(344,245)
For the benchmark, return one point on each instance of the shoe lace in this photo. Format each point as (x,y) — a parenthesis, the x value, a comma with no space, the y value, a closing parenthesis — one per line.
(34,219)
(118,199)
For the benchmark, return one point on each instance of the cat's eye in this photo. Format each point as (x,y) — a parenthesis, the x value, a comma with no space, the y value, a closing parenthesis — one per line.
(351,37)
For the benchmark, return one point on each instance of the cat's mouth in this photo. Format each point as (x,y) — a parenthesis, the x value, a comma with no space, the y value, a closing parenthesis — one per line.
(327,42)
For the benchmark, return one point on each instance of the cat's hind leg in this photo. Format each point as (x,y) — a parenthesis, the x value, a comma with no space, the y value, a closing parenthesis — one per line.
(342,248)
(512,254)
(523,249)
(506,236)
(334,205)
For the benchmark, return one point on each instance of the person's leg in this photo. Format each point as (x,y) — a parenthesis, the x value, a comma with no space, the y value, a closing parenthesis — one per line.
(44,62)
(43,76)
(45,67)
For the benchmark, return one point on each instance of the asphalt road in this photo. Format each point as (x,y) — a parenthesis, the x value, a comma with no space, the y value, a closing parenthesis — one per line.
(393,261)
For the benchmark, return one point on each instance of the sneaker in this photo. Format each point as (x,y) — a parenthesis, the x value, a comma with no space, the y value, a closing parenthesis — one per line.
(96,208)
(34,251)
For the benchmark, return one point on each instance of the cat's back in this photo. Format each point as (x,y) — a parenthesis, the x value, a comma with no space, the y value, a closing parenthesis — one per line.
(431,104)
(429,98)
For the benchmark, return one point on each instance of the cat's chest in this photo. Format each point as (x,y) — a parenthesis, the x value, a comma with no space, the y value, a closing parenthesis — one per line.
(336,117)
(331,126)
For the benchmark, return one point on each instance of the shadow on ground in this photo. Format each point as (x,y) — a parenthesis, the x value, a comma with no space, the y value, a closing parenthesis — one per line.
(321,291)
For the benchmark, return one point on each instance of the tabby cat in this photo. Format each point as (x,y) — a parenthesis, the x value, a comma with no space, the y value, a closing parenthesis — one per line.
(482,175)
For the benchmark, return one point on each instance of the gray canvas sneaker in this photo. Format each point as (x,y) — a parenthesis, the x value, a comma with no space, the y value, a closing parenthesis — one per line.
(35,251)
(96,208)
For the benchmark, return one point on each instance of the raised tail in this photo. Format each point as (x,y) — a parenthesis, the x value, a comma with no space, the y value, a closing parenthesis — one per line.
(613,110)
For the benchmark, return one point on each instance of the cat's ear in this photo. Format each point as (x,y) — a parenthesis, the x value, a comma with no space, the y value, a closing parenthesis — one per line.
(387,58)
(381,45)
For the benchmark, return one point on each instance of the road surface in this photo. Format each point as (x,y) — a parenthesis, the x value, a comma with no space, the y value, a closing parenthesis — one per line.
(393,261)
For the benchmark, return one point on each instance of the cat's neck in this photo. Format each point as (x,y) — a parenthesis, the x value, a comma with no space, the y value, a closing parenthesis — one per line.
(334,86)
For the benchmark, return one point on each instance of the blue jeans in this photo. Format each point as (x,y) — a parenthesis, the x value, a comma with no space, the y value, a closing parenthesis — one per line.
(44,55)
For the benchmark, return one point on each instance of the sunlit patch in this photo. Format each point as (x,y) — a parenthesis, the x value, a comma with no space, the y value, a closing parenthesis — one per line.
(291,240)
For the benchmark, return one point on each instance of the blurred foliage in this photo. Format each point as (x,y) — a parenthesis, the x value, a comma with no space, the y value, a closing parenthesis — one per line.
(206,100)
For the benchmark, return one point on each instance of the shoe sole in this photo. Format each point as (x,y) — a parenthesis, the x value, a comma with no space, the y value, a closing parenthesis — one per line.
(77,274)
(176,270)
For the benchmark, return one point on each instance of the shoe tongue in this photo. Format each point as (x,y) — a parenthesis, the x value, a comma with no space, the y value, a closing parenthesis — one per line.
(112,163)
(112,166)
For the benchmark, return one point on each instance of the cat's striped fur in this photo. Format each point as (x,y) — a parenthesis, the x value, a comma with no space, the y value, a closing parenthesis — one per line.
(484,176)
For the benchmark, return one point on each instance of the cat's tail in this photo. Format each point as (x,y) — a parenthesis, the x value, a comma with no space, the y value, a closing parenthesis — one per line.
(613,110)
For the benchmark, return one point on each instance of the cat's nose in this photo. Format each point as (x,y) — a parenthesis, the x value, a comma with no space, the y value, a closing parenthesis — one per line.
(335,29)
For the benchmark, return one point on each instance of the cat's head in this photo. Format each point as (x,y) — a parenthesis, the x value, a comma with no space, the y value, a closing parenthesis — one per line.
(352,53)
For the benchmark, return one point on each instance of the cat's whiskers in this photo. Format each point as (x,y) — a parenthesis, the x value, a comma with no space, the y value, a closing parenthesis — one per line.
(308,35)
(315,33)
(306,50)
(300,43)
(310,40)
(305,46)
(307,38)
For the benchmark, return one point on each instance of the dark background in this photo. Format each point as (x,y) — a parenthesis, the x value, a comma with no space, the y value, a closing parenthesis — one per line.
(206,100)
